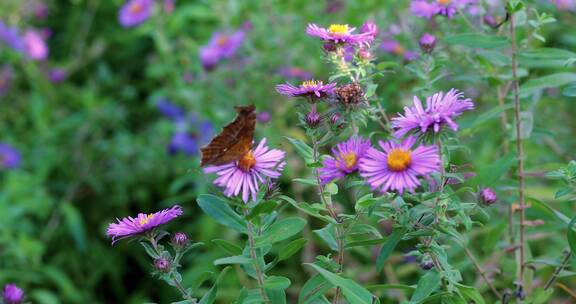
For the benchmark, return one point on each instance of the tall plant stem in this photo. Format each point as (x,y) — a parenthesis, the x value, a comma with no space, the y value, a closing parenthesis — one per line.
(330,207)
(481,272)
(175,281)
(519,150)
(567,256)
(257,270)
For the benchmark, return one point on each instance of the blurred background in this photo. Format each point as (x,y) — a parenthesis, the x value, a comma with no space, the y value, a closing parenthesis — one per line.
(102,117)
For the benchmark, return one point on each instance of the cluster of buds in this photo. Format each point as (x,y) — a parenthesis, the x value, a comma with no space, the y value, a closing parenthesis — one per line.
(350,94)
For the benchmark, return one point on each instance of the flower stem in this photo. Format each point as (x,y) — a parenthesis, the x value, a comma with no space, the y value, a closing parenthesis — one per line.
(256,263)
(563,265)
(481,272)
(330,207)
(519,151)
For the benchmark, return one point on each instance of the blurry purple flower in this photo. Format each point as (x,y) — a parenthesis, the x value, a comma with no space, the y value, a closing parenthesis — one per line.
(565,4)
(349,52)
(312,118)
(11,294)
(170,110)
(34,45)
(57,75)
(334,6)
(9,157)
(411,55)
(168,6)
(294,72)
(6,76)
(247,26)
(399,165)
(428,9)
(221,46)
(344,160)
(40,10)
(490,20)
(364,54)
(488,196)
(184,142)
(246,174)
(335,118)
(392,46)
(441,108)
(264,117)
(135,12)
(310,88)
(129,226)
(427,43)
(339,33)
(370,30)
(424,9)
(10,36)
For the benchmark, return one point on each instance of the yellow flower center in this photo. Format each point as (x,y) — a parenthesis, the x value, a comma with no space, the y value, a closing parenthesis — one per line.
(146,219)
(222,41)
(349,159)
(399,159)
(309,84)
(136,8)
(247,162)
(338,29)
(444,2)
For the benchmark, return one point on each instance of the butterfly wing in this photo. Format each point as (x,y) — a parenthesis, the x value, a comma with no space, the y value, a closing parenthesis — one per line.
(234,141)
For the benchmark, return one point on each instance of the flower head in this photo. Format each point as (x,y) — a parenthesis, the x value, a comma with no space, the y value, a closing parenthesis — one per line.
(221,46)
(135,12)
(11,37)
(344,160)
(9,157)
(129,226)
(313,118)
(34,45)
(441,108)
(311,89)
(11,294)
(427,43)
(399,165)
(245,175)
(170,110)
(342,34)
(565,4)
(488,196)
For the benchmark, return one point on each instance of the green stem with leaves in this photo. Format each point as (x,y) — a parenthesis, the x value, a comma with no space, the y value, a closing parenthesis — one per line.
(255,261)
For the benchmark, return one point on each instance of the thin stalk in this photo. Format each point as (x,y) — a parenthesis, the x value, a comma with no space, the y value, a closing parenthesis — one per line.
(257,270)
(563,265)
(330,207)
(177,284)
(519,151)
(481,272)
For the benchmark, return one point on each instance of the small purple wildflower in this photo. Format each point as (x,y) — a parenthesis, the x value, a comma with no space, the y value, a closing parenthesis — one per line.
(344,160)
(135,12)
(264,117)
(488,196)
(245,175)
(34,45)
(11,37)
(11,294)
(221,46)
(295,73)
(428,9)
(342,34)
(9,157)
(129,226)
(427,43)
(57,75)
(170,110)
(311,89)
(568,5)
(399,165)
(441,108)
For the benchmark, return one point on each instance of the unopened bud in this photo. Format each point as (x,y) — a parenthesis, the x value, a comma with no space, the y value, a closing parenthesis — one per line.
(427,43)
(162,265)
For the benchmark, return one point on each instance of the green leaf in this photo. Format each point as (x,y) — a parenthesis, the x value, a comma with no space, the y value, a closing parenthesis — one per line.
(221,212)
(281,230)
(237,259)
(489,175)
(426,285)
(75,225)
(291,248)
(274,282)
(474,40)
(388,247)
(352,291)
(302,149)
(328,235)
(262,208)
(307,208)
(545,57)
(553,213)
(549,81)
(571,235)
(313,291)
(471,294)
(570,91)
(210,296)
(229,247)
(391,286)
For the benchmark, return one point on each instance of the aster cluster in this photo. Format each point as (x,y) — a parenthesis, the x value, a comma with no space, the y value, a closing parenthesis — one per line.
(190,133)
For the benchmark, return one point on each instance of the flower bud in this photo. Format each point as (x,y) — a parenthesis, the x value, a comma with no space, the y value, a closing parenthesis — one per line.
(335,118)
(426,263)
(488,196)
(313,118)
(427,43)
(329,47)
(12,294)
(162,265)
(180,239)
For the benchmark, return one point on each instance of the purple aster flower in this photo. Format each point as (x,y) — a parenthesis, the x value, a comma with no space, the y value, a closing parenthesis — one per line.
(6,76)
(10,36)
(399,166)
(392,46)
(565,4)
(129,226)
(245,175)
(424,9)
(488,196)
(135,12)
(344,160)
(369,29)
(221,46)
(427,43)
(9,157)
(428,9)
(170,110)
(311,89)
(263,117)
(11,294)
(294,72)
(339,33)
(34,45)
(57,75)
(184,142)
(440,109)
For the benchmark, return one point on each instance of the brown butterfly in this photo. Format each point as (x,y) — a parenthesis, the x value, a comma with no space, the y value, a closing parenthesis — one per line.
(234,141)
